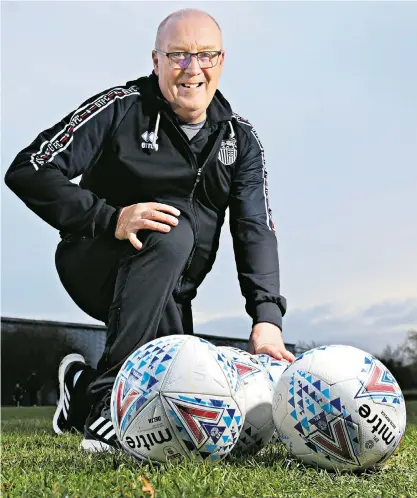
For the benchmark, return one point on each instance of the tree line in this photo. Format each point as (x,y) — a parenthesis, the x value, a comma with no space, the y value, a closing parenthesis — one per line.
(402,363)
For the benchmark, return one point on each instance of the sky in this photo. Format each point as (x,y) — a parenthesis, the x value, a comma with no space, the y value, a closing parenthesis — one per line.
(331,90)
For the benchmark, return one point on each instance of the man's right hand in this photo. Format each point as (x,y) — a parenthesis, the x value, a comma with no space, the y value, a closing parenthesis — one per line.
(145,216)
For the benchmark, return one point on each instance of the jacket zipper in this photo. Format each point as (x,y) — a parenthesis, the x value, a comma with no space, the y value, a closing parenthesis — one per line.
(191,197)
(197,180)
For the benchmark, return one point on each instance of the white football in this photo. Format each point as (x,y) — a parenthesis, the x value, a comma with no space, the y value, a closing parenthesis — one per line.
(259,425)
(178,397)
(339,407)
(275,370)
(274,367)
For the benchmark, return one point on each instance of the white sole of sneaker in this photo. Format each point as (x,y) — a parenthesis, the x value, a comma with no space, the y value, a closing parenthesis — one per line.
(94,446)
(66,361)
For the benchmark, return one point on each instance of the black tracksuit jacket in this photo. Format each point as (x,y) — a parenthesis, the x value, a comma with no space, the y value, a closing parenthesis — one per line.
(128,147)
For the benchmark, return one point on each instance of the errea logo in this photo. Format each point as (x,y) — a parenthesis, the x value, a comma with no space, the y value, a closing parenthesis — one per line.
(148,139)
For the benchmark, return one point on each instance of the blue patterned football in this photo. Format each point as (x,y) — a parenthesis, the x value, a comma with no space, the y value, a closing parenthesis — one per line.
(178,397)
(338,407)
(258,387)
(275,369)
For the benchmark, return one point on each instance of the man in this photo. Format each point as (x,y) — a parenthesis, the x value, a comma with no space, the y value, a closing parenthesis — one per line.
(161,159)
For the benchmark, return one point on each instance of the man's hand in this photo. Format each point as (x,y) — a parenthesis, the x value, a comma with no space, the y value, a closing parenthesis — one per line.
(145,216)
(266,338)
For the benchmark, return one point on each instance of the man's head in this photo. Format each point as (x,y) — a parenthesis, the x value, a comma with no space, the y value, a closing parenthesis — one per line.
(188,30)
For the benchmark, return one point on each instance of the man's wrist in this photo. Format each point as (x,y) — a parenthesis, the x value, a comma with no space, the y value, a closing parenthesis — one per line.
(116,230)
(258,326)
(268,312)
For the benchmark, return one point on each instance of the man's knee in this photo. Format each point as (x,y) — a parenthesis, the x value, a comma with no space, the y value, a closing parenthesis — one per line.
(175,245)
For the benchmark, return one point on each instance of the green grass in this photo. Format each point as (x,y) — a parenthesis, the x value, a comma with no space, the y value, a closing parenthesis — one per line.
(36,463)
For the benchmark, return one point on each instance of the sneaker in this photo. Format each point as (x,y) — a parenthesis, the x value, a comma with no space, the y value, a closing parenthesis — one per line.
(99,433)
(64,418)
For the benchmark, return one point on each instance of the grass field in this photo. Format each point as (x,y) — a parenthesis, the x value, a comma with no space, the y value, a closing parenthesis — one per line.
(36,463)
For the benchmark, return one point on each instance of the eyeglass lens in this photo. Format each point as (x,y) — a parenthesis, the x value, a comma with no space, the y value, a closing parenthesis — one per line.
(183,59)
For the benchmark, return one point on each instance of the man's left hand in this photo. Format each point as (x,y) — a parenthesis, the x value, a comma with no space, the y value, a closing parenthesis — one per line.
(266,338)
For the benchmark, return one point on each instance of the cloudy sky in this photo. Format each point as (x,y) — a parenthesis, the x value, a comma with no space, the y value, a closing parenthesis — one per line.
(331,89)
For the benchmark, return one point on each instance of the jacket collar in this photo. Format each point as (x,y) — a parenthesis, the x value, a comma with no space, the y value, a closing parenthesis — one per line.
(218,111)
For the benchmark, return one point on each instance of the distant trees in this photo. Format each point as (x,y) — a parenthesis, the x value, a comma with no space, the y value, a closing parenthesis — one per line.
(402,361)
(411,349)
(303,346)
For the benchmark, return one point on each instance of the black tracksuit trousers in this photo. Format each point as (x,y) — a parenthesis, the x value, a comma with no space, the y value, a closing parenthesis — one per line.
(133,292)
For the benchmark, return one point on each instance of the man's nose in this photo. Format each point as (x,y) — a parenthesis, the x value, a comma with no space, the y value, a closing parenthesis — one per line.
(193,67)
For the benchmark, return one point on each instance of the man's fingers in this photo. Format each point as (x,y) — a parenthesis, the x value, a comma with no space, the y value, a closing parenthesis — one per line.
(288,356)
(271,350)
(146,216)
(152,225)
(164,207)
(276,352)
(154,215)
(136,243)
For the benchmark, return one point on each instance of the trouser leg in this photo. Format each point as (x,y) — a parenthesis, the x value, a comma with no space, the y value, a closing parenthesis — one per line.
(134,292)
(144,304)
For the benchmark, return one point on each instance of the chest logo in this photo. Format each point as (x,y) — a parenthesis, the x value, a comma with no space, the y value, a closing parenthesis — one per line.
(148,139)
(228,151)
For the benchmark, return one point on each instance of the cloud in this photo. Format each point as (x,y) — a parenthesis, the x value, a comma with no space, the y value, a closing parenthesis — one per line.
(370,328)
(391,308)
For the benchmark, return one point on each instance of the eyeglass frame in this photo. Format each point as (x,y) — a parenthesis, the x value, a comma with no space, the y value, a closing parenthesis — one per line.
(191,54)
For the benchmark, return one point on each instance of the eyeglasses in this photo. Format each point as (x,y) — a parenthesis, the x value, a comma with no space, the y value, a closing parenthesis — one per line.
(181,60)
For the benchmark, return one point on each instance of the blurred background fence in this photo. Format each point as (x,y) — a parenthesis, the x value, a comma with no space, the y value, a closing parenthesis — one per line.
(32,349)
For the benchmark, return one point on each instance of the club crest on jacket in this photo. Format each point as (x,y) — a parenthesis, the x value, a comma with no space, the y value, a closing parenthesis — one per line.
(228,151)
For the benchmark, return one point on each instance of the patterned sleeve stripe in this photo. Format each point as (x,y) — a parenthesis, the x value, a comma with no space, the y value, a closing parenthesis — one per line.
(57,144)
(268,211)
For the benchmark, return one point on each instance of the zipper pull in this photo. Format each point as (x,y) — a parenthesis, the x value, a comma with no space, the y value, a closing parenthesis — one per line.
(196,182)
(198,175)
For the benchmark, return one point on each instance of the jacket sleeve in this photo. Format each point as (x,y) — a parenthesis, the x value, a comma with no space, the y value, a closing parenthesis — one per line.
(252,229)
(40,174)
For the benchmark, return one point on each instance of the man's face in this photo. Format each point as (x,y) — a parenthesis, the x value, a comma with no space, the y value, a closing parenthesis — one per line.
(193,33)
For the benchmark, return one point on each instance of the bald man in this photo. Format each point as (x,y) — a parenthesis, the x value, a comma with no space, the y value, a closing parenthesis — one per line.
(161,160)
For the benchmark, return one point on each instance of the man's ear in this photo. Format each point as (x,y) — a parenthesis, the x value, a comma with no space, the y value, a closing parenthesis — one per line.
(155,61)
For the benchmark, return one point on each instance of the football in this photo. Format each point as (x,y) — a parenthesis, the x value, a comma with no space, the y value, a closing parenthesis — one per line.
(338,407)
(259,425)
(178,397)
(275,370)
